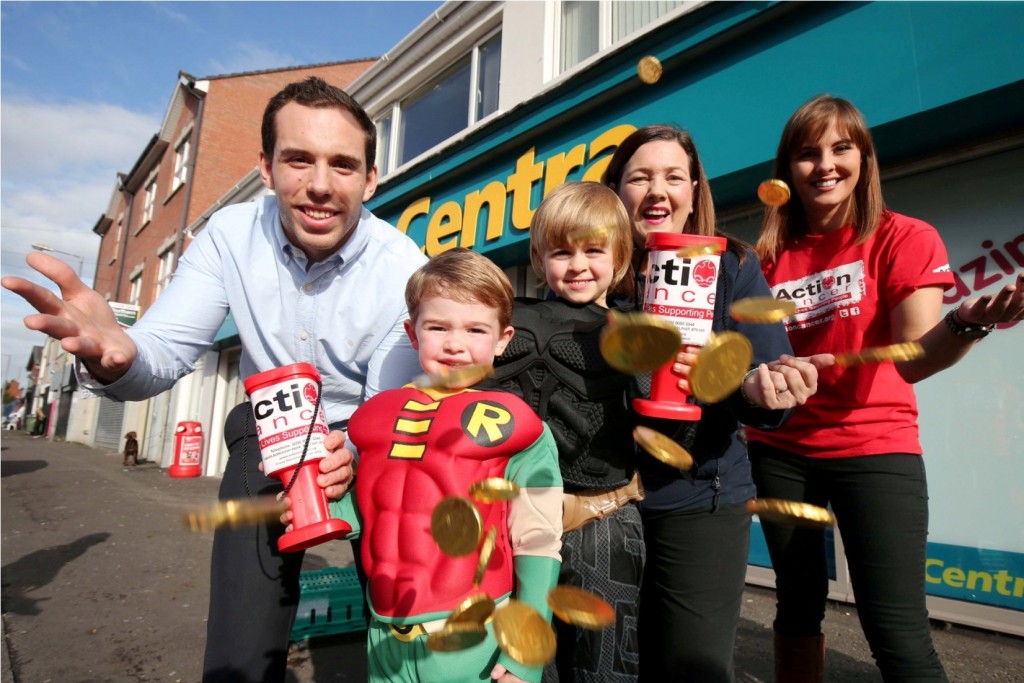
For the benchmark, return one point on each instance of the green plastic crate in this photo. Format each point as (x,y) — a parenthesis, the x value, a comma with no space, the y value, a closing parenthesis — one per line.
(330,603)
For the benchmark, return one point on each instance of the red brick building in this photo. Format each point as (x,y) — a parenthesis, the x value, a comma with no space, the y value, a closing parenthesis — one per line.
(207,145)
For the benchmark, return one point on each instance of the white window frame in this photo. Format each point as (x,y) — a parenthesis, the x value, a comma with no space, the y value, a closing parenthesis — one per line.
(181,160)
(149,200)
(387,154)
(165,266)
(136,289)
(605,38)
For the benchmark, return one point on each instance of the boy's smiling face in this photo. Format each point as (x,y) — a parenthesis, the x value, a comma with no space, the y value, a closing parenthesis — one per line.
(453,333)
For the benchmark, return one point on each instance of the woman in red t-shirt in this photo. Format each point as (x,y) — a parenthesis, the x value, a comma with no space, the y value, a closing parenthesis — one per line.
(861,276)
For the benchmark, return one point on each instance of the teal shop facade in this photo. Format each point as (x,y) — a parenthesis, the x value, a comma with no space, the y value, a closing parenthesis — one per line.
(941,84)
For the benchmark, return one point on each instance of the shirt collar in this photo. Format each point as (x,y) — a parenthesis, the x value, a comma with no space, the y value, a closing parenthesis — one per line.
(355,244)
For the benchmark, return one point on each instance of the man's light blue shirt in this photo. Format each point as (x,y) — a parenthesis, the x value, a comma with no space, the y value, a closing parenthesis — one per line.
(344,315)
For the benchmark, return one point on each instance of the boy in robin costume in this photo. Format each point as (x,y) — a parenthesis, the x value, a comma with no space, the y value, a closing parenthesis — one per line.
(418,446)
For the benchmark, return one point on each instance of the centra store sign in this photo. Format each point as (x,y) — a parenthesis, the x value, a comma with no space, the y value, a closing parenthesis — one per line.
(502,205)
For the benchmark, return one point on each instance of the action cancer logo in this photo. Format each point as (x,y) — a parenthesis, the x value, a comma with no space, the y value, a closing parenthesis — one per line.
(828,282)
(704,273)
(309,393)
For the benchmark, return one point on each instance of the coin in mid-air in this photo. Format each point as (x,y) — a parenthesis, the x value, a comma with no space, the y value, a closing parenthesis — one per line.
(597,233)
(663,448)
(638,342)
(580,607)
(233,514)
(773,192)
(486,550)
(476,609)
(456,526)
(790,512)
(762,309)
(878,354)
(455,636)
(493,490)
(720,366)
(523,634)
(649,69)
(454,378)
(694,250)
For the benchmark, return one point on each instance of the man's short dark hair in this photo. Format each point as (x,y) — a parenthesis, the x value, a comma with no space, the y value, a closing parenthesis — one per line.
(317,93)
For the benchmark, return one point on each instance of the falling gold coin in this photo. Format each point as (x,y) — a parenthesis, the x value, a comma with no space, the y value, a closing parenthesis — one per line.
(762,309)
(476,609)
(638,342)
(649,69)
(456,526)
(720,366)
(493,490)
(456,636)
(485,555)
(454,378)
(580,608)
(663,448)
(523,634)
(233,514)
(773,192)
(598,233)
(894,352)
(790,512)
(694,250)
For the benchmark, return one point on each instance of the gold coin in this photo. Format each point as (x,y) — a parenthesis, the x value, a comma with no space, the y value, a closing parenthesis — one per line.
(493,490)
(598,233)
(773,192)
(720,366)
(638,342)
(580,608)
(455,525)
(649,69)
(790,512)
(235,513)
(454,378)
(663,448)
(456,636)
(523,634)
(485,555)
(694,250)
(762,309)
(476,609)
(893,352)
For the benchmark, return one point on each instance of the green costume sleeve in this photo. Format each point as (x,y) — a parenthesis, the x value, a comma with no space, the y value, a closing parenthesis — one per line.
(535,577)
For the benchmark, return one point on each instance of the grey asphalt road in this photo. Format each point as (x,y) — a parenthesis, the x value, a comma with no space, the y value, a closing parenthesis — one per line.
(102,583)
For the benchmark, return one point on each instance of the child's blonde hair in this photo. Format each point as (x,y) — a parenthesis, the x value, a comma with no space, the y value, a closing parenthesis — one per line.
(584,213)
(464,276)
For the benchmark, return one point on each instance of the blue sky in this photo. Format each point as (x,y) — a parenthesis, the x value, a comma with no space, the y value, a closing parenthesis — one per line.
(84,86)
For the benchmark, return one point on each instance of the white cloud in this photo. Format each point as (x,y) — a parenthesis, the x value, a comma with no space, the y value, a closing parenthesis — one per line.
(58,166)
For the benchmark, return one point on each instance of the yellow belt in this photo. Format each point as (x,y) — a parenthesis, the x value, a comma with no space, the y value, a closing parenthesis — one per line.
(410,632)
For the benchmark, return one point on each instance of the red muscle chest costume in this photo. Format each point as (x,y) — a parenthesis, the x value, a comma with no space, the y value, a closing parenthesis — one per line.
(415,448)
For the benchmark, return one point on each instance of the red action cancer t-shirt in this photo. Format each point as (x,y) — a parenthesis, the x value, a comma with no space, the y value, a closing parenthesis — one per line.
(844,293)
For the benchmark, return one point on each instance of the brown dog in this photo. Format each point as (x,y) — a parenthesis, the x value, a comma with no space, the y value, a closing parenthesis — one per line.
(131,449)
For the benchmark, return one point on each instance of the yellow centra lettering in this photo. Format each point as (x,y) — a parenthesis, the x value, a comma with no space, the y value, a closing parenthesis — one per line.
(561,165)
(607,141)
(489,418)
(493,197)
(928,564)
(445,222)
(520,186)
(420,207)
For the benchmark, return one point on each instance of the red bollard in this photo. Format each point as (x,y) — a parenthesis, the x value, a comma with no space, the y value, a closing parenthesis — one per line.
(283,402)
(188,450)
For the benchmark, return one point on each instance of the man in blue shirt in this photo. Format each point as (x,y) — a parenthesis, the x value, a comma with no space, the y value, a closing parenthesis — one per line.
(309,275)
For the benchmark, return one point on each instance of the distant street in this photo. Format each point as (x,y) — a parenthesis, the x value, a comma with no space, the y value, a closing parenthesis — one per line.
(102,584)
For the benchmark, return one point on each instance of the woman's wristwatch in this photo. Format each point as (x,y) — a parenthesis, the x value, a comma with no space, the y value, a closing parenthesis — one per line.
(964,330)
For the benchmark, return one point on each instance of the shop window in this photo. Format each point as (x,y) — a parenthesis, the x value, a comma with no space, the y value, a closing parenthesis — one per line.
(587,27)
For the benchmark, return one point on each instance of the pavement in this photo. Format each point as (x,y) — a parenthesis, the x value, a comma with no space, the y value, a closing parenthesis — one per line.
(102,583)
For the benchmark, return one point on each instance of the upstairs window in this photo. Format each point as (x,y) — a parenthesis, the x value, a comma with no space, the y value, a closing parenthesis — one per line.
(164,271)
(180,164)
(466,92)
(136,290)
(587,27)
(149,202)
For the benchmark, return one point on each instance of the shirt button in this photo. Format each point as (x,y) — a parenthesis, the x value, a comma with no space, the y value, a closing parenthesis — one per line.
(308,287)
(304,336)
